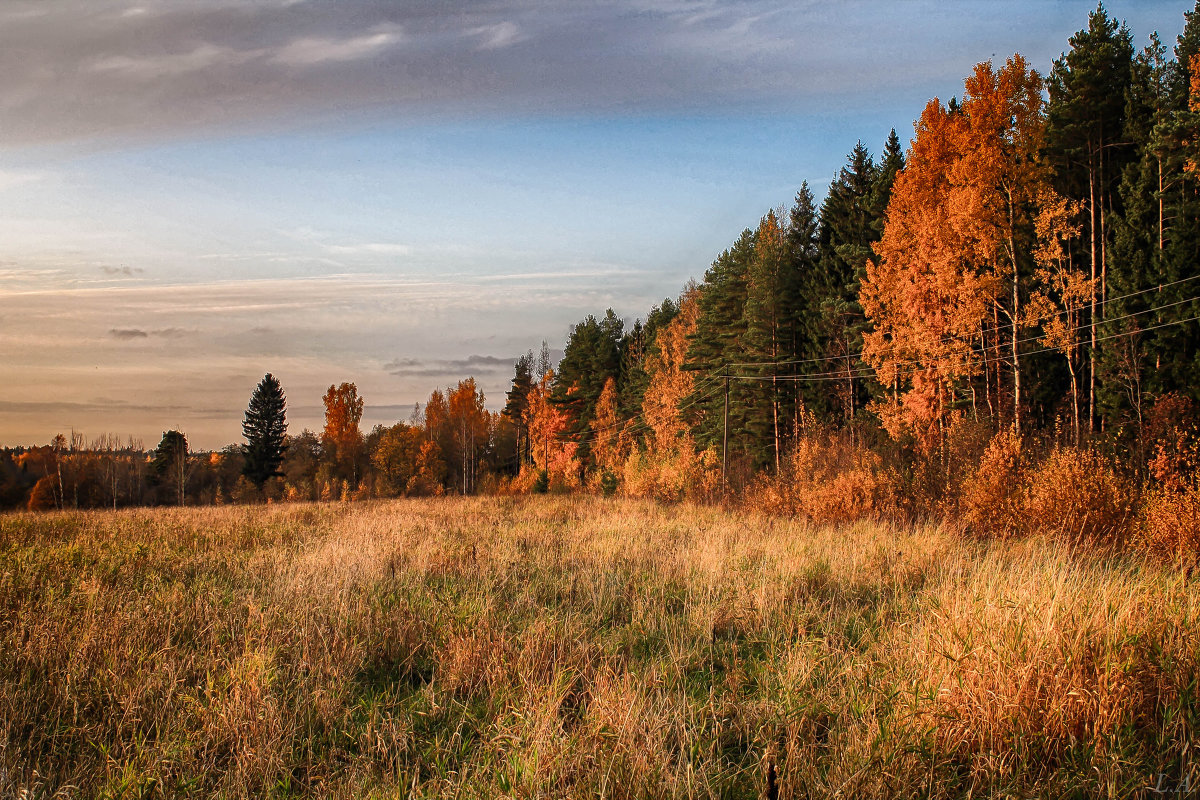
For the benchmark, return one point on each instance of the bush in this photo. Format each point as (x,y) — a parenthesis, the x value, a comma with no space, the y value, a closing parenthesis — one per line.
(829,478)
(1170,523)
(992,499)
(1078,496)
(608,483)
(244,491)
(541,483)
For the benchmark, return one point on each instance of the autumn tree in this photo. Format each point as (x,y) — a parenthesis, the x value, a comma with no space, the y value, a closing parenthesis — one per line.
(668,465)
(957,251)
(342,437)
(1062,292)
(554,452)
(605,432)
(265,429)
(469,424)
(395,456)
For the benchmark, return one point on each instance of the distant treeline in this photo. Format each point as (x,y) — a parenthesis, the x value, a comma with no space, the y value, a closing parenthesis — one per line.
(1028,268)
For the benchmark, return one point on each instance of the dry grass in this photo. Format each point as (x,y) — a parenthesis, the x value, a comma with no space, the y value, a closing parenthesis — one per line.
(574,646)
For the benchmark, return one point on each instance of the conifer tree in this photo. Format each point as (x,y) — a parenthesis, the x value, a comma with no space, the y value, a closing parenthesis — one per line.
(1084,141)
(516,405)
(265,429)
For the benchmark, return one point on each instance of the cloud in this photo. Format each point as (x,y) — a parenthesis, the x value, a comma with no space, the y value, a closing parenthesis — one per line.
(494,37)
(106,71)
(308,51)
(123,270)
(460,368)
(127,333)
(130,334)
(370,248)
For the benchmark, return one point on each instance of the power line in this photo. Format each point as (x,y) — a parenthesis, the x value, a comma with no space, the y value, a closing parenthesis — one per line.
(954,339)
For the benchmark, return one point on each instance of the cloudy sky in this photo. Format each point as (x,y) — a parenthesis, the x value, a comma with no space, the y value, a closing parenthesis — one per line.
(400,194)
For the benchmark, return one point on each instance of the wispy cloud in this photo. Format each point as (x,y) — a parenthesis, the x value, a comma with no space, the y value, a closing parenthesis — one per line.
(105,70)
(308,51)
(454,368)
(494,37)
(130,334)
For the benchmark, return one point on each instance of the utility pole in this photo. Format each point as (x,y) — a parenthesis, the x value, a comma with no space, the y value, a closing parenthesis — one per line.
(725,437)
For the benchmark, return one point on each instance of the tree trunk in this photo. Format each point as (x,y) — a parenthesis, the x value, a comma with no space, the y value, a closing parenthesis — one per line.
(1092,326)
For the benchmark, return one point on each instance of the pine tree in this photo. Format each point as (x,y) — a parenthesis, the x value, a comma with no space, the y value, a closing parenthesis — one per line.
(265,429)
(516,405)
(1084,141)
(765,314)
(1152,342)
(592,356)
(717,345)
(851,223)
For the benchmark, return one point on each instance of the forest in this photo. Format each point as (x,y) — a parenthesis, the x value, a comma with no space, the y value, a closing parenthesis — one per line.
(999,325)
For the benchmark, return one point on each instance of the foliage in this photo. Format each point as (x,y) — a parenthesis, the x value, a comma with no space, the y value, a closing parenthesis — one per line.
(265,429)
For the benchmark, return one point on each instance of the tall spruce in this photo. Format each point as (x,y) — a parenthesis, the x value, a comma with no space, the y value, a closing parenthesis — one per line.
(592,356)
(1085,143)
(516,406)
(1152,342)
(265,429)
(718,345)
(851,222)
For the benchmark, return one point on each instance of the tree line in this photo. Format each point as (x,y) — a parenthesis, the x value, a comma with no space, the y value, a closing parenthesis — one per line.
(1028,264)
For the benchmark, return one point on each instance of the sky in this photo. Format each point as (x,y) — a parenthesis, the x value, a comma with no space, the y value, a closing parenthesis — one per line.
(194,193)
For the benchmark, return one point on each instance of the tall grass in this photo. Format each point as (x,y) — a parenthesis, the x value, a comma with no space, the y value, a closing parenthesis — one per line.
(578,647)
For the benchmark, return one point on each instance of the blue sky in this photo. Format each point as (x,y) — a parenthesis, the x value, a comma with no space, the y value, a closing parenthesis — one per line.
(195,193)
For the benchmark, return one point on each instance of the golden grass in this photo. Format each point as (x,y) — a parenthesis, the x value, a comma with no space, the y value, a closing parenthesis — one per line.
(578,647)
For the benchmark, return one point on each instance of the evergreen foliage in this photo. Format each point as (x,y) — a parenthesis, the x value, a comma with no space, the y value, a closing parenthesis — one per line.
(265,429)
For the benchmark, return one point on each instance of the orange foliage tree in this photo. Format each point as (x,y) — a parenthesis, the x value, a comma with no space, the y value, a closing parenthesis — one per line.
(609,446)
(549,447)
(956,247)
(469,426)
(668,467)
(343,412)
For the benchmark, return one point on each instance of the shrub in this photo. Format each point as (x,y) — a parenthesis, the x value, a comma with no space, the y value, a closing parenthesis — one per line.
(829,478)
(244,491)
(608,483)
(1077,495)
(1170,523)
(992,498)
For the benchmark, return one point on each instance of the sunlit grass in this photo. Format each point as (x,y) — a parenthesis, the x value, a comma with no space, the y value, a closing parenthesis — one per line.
(573,646)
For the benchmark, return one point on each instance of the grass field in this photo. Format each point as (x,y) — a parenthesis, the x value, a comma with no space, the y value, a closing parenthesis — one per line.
(579,647)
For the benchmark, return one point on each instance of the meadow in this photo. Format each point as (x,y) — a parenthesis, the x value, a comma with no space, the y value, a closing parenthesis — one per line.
(580,647)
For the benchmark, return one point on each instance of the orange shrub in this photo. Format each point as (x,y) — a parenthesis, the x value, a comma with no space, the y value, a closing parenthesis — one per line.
(1170,523)
(1077,495)
(828,479)
(671,473)
(993,498)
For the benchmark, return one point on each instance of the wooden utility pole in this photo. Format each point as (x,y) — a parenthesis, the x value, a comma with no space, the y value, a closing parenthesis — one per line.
(725,437)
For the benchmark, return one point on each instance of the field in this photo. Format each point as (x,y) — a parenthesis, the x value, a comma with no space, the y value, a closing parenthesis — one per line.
(579,647)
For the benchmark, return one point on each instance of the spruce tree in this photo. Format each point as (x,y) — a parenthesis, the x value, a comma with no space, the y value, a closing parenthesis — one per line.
(1086,121)
(517,404)
(718,345)
(265,429)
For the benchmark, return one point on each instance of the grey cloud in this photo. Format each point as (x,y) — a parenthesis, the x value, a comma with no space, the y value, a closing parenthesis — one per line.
(101,405)
(462,368)
(129,334)
(103,70)
(124,270)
